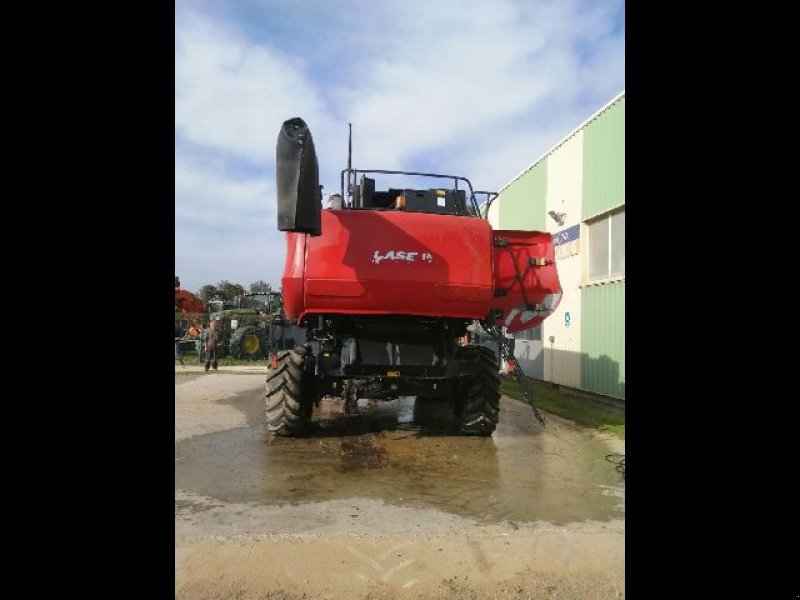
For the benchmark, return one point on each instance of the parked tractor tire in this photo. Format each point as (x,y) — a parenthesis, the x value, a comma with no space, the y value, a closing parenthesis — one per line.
(477,402)
(246,342)
(289,399)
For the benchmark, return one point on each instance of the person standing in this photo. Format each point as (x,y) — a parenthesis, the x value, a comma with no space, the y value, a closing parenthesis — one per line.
(178,337)
(213,342)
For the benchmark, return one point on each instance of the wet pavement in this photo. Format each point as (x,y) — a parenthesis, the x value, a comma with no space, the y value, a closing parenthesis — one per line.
(399,454)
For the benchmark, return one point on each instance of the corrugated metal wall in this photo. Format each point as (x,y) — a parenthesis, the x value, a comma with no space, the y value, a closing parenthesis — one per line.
(603,339)
(604,161)
(523,202)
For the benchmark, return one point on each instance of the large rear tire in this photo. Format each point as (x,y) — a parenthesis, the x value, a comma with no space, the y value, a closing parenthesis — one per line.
(289,399)
(477,403)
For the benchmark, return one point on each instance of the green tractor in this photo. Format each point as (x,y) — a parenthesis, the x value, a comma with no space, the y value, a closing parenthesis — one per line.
(252,325)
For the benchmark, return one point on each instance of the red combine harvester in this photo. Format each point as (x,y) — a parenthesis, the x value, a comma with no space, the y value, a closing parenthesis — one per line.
(386,286)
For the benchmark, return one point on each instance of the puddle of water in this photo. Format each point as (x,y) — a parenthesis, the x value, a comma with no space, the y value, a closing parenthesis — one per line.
(392,453)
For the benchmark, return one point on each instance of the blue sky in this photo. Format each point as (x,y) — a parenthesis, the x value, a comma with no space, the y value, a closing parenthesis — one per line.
(478,89)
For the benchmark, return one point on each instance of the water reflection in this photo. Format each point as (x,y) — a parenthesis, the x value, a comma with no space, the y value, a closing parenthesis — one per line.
(392,452)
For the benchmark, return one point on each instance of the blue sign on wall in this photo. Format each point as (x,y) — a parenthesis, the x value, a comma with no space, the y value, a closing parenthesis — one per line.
(567,235)
(567,242)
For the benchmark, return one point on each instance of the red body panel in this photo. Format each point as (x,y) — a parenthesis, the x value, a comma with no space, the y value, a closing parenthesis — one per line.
(394,262)
(526,262)
(292,280)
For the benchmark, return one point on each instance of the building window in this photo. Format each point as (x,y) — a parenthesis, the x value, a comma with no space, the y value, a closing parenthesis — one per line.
(606,246)
(534,334)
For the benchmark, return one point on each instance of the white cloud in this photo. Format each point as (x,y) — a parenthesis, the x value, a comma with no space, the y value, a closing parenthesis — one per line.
(447,76)
(224,225)
(215,197)
(233,95)
(453,73)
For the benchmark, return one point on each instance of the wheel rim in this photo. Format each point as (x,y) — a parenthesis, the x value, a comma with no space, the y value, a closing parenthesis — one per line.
(250,344)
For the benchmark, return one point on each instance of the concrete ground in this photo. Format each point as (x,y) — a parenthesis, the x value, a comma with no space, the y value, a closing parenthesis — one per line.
(387,504)
(188,369)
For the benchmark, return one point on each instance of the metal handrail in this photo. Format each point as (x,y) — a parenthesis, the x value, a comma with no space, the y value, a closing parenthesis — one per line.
(352,175)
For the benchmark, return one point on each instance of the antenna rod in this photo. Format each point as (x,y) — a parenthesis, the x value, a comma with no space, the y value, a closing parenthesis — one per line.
(350,163)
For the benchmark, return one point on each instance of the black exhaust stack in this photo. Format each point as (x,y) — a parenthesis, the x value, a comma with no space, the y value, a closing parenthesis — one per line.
(297,179)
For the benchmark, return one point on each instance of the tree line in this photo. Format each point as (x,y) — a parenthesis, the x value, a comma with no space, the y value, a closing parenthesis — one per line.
(225,290)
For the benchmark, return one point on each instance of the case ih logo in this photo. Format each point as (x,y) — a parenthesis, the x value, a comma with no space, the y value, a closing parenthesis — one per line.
(401,255)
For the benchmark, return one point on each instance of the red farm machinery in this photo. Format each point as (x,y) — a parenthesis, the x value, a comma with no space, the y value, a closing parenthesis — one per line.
(385,285)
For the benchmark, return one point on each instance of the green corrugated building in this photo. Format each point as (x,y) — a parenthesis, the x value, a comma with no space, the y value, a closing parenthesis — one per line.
(576,191)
